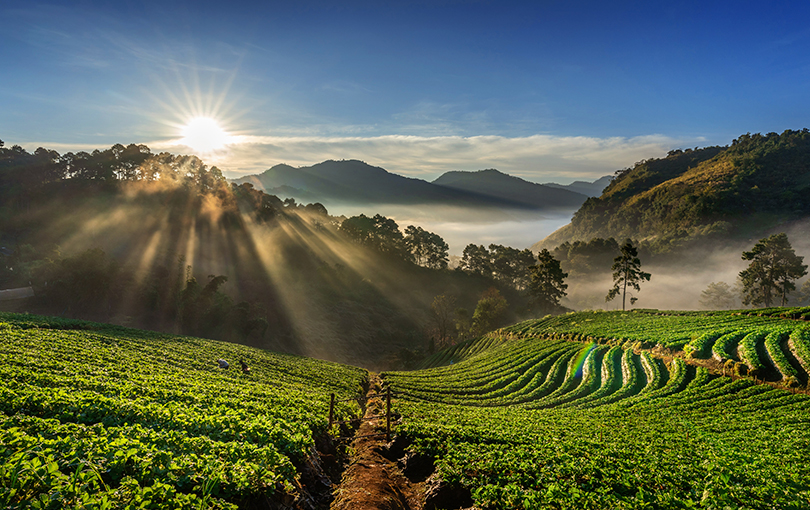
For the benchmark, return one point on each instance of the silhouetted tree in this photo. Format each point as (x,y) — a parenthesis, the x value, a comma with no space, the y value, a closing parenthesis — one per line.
(547,285)
(774,266)
(718,296)
(501,263)
(511,265)
(581,258)
(475,259)
(627,273)
(442,308)
(379,233)
(489,312)
(426,248)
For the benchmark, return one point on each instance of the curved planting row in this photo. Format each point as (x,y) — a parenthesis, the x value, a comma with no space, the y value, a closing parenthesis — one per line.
(795,313)
(580,416)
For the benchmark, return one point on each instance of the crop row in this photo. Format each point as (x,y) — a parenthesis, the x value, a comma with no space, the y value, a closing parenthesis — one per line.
(105,417)
(604,425)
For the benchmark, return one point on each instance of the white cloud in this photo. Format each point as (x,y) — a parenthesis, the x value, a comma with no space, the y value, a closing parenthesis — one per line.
(537,158)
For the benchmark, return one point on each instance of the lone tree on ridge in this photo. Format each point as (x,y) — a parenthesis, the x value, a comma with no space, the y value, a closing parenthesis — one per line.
(627,273)
(774,266)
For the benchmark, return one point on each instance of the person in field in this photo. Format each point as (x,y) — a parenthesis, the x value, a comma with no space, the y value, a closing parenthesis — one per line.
(245,367)
(222,363)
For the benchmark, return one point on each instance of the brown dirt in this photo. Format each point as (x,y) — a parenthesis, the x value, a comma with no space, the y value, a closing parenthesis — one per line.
(713,366)
(372,481)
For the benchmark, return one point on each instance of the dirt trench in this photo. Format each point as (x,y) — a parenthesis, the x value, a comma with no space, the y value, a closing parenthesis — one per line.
(373,479)
(384,475)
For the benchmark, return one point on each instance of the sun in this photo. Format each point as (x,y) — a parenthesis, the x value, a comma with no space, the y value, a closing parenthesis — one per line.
(204,135)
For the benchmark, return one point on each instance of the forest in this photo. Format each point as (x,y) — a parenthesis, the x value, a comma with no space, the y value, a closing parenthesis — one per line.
(165,242)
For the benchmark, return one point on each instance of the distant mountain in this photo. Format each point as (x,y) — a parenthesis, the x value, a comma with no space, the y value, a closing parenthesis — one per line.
(589,189)
(356,181)
(513,189)
(758,184)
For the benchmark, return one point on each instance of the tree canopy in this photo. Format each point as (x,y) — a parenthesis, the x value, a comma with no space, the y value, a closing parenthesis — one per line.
(501,263)
(547,285)
(426,248)
(774,266)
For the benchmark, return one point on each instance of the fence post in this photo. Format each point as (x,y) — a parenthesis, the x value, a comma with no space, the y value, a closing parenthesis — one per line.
(388,414)
(332,411)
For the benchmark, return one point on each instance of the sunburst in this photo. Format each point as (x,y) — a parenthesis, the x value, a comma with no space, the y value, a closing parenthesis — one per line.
(204,135)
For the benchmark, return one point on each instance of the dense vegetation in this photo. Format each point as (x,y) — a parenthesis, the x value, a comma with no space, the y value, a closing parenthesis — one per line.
(582,411)
(755,184)
(97,416)
(163,242)
(585,410)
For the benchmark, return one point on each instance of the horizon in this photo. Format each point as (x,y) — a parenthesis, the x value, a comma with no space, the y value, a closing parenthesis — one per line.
(545,92)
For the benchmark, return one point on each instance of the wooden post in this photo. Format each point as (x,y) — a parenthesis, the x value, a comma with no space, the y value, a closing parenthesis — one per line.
(388,414)
(332,411)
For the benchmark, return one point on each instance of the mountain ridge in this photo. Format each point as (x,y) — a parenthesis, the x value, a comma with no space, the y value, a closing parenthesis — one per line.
(356,181)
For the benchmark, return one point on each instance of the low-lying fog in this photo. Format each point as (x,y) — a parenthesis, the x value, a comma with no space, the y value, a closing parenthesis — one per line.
(462,226)
(675,285)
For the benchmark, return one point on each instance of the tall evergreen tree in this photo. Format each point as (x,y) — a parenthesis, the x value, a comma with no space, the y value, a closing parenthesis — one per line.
(627,273)
(774,266)
(547,285)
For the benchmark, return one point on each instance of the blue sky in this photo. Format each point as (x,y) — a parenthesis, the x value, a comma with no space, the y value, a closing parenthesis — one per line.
(548,90)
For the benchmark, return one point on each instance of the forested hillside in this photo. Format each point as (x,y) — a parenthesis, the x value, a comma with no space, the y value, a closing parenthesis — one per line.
(163,242)
(735,192)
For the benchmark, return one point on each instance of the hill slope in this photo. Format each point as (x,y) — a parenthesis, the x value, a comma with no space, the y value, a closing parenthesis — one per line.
(741,191)
(567,412)
(97,416)
(589,189)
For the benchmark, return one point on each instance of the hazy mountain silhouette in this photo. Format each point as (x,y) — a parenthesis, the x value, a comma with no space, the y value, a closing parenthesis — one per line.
(513,189)
(589,189)
(356,181)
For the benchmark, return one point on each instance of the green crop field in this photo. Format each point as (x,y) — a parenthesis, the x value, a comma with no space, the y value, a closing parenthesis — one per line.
(94,416)
(590,410)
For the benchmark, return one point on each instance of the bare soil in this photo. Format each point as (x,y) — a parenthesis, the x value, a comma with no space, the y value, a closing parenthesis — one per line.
(372,480)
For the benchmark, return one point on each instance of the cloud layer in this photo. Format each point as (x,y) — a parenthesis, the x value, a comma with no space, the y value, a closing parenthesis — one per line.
(536,158)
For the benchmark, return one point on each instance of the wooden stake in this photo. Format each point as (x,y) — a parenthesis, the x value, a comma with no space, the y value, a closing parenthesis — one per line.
(332,411)
(388,414)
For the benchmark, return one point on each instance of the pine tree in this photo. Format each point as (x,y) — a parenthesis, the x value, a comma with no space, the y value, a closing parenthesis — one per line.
(774,266)
(547,285)
(627,273)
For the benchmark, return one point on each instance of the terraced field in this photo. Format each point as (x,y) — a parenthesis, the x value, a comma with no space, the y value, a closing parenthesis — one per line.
(588,410)
(619,410)
(94,416)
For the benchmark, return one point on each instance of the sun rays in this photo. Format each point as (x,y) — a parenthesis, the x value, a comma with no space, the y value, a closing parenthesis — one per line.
(204,135)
